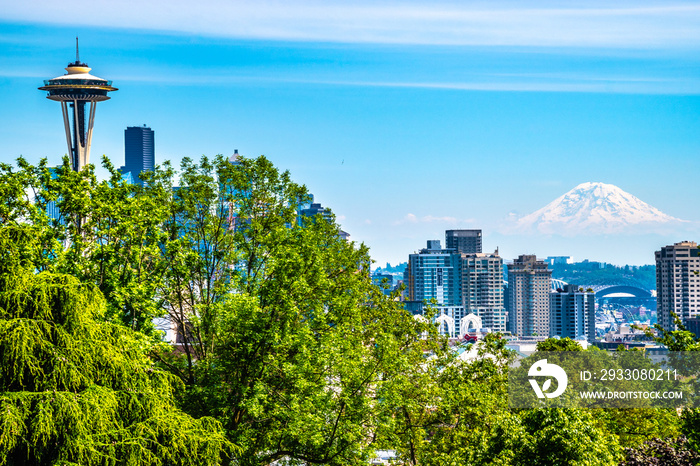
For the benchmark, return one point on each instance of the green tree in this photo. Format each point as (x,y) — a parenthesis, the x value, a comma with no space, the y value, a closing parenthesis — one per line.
(108,233)
(559,344)
(570,437)
(680,339)
(75,389)
(307,357)
(467,420)
(282,336)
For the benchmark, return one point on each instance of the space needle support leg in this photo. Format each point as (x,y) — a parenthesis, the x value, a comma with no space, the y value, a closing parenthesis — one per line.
(88,139)
(66,123)
(78,147)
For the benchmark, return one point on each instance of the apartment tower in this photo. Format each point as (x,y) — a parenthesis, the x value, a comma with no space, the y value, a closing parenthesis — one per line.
(529,285)
(463,241)
(572,313)
(678,283)
(482,289)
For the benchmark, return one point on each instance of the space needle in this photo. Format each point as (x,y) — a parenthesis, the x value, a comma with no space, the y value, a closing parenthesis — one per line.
(74,90)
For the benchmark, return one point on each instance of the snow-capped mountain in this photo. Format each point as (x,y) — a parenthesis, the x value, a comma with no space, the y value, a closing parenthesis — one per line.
(596,208)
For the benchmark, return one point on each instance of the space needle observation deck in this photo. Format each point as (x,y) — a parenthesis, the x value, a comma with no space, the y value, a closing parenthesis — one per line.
(74,90)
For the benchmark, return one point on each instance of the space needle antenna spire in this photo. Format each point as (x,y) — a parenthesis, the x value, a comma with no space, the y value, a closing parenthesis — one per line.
(75,90)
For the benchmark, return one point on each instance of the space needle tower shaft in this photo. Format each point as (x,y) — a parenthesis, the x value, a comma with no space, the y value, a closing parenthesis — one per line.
(75,90)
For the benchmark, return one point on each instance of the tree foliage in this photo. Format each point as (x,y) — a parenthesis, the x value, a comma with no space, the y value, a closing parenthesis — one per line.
(467,421)
(565,437)
(282,336)
(304,352)
(284,347)
(107,232)
(559,344)
(680,339)
(75,389)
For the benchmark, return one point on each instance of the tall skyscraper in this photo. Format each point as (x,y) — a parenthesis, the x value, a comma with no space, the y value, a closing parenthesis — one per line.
(572,313)
(529,284)
(434,273)
(678,283)
(482,289)
(463,241)
(139,151)
(468,288)
(74,90)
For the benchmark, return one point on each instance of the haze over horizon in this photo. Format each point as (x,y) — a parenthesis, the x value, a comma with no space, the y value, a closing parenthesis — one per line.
(406,119)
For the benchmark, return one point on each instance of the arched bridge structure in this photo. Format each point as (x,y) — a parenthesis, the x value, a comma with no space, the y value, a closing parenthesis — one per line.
(607,289)
(627,288)
(557,284)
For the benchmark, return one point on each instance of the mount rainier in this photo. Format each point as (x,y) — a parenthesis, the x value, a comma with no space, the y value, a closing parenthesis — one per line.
(596,208)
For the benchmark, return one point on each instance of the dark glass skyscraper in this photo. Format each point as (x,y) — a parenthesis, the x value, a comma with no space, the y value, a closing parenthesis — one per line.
(139,151)
(464,241)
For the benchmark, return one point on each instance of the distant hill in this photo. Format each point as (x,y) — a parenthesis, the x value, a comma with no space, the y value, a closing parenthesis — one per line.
(581,273)
(393,269)
(591,273)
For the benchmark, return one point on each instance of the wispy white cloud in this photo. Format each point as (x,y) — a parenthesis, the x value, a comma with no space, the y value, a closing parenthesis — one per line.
(611,24)
(659,86)
(581,84)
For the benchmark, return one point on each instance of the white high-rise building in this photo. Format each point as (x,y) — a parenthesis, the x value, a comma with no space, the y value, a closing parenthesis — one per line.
(482,289)
(677,283)
(529,284)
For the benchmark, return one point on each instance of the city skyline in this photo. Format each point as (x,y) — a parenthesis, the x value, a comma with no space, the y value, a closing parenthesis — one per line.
(404,127)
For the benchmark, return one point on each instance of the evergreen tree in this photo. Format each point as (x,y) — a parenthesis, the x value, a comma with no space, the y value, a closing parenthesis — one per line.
(75,389)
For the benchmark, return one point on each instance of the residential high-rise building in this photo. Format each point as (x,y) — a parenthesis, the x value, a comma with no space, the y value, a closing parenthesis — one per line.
(482,289)
(433,273)
(75,90)
(463,241)
(572,313)
(139,151)
(693,325)
(677,283)
(529,285)
(467,287)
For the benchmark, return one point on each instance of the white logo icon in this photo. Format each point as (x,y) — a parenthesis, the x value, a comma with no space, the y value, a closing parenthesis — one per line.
(542,369)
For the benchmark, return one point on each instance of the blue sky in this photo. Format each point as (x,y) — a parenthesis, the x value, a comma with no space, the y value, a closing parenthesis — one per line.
(406,118)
